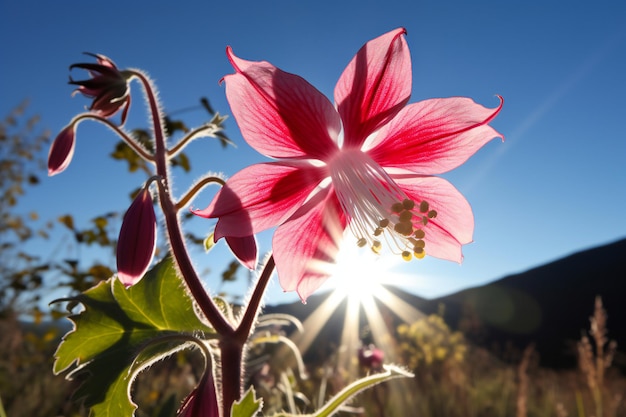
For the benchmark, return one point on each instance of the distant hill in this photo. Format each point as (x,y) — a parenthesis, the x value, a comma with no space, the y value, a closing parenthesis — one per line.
(549,306)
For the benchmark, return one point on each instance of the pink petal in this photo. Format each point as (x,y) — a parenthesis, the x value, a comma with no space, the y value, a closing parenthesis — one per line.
(454,224)
(374,87)
(62,150)
(434,136)
(305,244)
(261,196)
(137,240)
(280,114)
(244,249)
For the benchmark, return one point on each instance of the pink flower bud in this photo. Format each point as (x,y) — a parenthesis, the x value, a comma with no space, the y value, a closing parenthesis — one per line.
(371,357)
(137,241)
(61,151)
(202,402)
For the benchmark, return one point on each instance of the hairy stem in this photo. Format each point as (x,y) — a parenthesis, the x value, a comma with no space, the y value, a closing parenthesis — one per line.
(196,188)
(206,130)
(170,211)
(139,150)
(232,346)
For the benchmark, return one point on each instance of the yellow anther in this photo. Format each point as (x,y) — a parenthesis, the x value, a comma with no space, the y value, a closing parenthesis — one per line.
(424,206)
(406,216)
(408,204)
(361,242)
(397,207)
(376,247)
(403,228)
(419,253)
(432,214)
(406,255)
(419,233)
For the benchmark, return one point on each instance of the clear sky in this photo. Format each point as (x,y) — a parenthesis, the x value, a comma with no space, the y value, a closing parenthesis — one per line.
(555,186)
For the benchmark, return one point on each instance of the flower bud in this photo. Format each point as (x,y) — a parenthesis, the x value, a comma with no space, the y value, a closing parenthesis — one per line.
(202,402)
(371,357)
(61,151)
(137,240)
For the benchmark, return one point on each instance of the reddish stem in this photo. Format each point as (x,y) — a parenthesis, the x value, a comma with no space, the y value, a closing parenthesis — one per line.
(170,211)
(232,340)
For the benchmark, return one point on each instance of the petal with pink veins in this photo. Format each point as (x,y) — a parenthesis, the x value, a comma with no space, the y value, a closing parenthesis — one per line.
(454,224)
(434,136)
(261,196)
(280,114)
(308,242)
(374,87)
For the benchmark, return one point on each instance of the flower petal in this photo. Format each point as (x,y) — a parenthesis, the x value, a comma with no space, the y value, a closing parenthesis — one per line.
(261,196)
(306,243)
(375,85)
(62,150)
(280,114)
(454,224)
(434,136)
(244,249)
(137,240)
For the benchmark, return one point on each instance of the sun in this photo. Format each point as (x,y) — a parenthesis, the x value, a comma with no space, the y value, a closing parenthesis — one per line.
(358,274)
(359,279)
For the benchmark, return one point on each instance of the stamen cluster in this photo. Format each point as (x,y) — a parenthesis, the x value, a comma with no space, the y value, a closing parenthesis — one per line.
(377,207)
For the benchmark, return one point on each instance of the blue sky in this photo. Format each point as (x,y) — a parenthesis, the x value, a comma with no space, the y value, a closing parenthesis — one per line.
(555,186)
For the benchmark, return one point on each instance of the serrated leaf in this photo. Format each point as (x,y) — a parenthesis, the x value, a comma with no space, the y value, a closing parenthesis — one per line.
(114,327)
(248,406)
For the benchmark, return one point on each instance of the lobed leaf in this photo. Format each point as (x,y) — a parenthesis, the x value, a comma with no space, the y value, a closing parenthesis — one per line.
(248,406)
(121,331)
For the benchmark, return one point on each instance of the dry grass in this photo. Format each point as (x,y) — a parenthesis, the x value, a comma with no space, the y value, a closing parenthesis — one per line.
(453,379)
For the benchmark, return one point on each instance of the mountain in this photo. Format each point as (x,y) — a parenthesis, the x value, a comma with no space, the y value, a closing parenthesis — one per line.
(548,306)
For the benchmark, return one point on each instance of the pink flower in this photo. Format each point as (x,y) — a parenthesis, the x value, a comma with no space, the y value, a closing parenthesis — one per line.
(108,87)
(62,150)
(371,357)
(365,165)
(137,240)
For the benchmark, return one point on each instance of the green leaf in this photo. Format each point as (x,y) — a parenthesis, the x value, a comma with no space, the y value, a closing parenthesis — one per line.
(248,406)
(345,395)
(342,397)
(107,345)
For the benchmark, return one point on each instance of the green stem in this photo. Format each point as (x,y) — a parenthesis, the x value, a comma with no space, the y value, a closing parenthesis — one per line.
(196,188)
(206,130)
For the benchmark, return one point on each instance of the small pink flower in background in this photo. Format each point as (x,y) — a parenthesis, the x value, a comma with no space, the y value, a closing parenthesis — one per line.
(107,86)
(371,357)
(365,165)
(62,150)
(137,240)
(202,402)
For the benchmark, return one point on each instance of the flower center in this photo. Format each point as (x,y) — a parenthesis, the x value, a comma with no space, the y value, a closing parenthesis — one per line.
(377,208)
